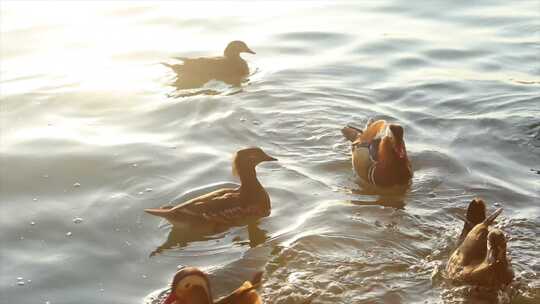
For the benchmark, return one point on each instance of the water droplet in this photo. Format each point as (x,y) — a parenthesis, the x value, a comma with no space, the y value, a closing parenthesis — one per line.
(20,279)
(20,283)
(141,193)
(242,119)
(148,189)
(134,165)
(497,204)
(102,289)
(47,302)
(76,185)
(77,220)
(21,238)
(143,276)
(32,223)
(256,122)
(35,199)
(29,281)
(69,234)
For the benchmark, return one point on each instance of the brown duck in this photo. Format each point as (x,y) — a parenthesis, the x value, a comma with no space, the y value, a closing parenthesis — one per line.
(481,257)
(229,68)
(191,286)
(378,153)
(226,206)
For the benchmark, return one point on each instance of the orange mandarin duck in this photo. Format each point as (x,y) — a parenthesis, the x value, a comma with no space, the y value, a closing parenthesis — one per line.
(378,153)
(227,206)
(191,286)
(481,257)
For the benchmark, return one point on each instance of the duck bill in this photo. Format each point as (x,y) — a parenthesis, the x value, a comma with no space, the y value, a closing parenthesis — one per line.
(248,50)
(270,158)
(490,219)
(170,299)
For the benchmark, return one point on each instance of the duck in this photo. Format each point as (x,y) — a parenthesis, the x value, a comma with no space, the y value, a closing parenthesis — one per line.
(192,286)
(229,68)
(476,214)
(480,259)
(378,153)
(226,206)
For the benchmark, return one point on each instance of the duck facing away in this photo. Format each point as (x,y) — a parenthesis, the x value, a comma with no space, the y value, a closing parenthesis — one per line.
(229,68)
(378,153)
(191,286)
(227,206)
(481,258)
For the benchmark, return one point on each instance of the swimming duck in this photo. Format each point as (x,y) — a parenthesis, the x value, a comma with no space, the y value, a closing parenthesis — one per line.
(227,206)
(476,214)
(378,153)
(230,68)
(191,286)
(481,258)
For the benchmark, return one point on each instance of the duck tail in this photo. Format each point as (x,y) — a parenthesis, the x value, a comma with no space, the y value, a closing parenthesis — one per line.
(161,212)
(351,133)
(490,219)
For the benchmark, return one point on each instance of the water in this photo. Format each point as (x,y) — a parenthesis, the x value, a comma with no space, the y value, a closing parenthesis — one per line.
(90,122)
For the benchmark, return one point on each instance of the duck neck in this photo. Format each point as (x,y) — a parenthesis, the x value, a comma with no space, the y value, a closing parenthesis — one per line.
(230,54)
(248,178)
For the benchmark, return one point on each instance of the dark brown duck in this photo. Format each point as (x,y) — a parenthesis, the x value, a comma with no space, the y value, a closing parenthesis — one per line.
(227,206)
(229,68)
(481,257)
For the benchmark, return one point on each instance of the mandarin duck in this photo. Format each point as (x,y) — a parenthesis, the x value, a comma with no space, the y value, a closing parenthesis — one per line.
(191,286)
(378,153)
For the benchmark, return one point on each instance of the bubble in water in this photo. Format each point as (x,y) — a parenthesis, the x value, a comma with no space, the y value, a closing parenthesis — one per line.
(77,220)
(69,234)
(76,184)
(148,189)
(20,279)
(134,165)
(20,283)
(143,276)
(35,199)
(32,223)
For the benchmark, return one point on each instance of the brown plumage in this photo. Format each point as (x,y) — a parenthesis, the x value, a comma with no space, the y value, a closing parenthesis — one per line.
(481,258)
(227,206)
(378,153)
(191,286)
(229,68)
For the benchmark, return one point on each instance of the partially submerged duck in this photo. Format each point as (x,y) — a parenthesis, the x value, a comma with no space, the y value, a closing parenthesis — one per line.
(227,206)
(481,257)
(191,286)
(229,68)
(378,153)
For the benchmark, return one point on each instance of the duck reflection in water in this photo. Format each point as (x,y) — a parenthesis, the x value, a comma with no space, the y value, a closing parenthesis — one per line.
(180,237)
(194,73)
(218,210)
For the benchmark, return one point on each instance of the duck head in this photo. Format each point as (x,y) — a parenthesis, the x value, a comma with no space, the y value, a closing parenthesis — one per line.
(234,48)
(496,246)
(190,286)
(476,214)
(248,159)
(474,245)
(396,133)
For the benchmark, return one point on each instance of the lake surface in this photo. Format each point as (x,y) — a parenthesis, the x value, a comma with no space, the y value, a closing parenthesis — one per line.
(92,132)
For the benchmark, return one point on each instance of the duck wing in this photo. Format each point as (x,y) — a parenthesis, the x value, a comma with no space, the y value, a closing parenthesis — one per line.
(245,294)
(222,206)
